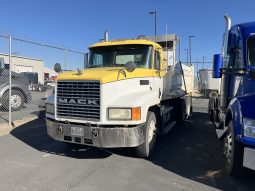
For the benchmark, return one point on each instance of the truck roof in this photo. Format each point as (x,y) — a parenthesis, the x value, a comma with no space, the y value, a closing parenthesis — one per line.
(127,42)
(246,29)
(247,25)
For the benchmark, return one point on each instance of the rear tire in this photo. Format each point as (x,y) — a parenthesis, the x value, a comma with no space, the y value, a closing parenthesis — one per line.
(150,133)
(181,112)
(234,154)
(213,115)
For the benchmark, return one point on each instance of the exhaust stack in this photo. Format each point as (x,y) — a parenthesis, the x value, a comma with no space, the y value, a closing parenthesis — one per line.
(225,42)
(224,79)
(106,36)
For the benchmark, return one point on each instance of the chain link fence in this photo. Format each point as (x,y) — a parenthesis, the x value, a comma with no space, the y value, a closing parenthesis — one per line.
(27,69)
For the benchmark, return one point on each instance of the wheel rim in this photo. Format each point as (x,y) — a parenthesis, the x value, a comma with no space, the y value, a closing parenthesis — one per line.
(15,101)
(213,94)
(228,148)
(152,128)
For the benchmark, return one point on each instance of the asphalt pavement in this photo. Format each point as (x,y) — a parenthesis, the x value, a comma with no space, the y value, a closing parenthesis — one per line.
(188,158)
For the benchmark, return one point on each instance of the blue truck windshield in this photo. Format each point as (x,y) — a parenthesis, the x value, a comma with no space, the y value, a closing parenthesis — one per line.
(251,51)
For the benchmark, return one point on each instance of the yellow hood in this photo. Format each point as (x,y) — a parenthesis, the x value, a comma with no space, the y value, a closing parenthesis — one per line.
(105,74)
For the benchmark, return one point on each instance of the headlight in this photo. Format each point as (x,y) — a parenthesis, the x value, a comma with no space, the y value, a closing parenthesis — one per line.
(118,113)
(49,108)
(249,127)
(124,113)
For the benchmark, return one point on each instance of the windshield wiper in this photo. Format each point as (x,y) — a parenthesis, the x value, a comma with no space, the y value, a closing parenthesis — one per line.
(96,66)
(119,65)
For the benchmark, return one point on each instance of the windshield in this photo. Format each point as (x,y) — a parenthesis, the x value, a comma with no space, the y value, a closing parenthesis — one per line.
(251,51)
(118,56)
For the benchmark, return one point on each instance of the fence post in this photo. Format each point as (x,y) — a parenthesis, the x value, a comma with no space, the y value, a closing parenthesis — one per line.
(10,81)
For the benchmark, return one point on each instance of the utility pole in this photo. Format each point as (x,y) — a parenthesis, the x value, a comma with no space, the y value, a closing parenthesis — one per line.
(203,62)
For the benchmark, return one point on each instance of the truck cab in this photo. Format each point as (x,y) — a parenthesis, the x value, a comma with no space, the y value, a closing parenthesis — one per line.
(125,97)
(233,110)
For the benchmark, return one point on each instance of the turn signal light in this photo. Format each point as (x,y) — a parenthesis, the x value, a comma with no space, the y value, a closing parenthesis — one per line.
(136,114)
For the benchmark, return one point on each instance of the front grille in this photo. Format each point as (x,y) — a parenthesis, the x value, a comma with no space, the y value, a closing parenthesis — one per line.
(78,100)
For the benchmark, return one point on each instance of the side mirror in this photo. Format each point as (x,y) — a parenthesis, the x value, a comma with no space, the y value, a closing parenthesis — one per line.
(130,66)
(57,68)
(86,60)
(217,65)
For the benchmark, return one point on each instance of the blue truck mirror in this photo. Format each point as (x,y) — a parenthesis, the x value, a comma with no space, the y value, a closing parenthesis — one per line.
(217,65)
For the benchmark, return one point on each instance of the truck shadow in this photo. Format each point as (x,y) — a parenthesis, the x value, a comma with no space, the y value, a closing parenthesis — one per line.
(35,135)
(193,151)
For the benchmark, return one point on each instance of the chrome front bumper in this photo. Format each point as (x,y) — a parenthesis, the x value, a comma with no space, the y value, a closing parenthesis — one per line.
(105,137)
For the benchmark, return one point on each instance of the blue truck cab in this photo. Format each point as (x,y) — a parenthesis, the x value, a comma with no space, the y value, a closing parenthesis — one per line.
(233,110)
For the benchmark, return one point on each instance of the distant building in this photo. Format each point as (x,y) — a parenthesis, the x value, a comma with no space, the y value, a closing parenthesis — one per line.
(49,74)
(27,64)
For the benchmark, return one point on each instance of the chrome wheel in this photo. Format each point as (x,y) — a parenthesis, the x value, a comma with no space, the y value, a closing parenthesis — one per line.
(234,151)
(152,131)
(228,148)
(15,101)
(150,135)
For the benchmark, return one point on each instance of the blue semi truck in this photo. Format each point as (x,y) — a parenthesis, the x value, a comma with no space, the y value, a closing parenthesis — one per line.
(233,110)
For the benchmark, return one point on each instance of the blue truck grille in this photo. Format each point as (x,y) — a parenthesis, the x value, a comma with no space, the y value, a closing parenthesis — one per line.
(78,100)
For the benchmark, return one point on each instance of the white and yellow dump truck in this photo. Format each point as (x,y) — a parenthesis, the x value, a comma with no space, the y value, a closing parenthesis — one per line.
(130,92)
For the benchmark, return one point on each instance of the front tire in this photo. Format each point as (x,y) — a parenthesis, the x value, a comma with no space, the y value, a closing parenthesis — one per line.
(17,100)
(234,154)
(150,133)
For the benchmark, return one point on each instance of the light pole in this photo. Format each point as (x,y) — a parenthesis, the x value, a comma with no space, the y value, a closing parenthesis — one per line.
(187,53)
(190,48)
(203,62)
(155,22)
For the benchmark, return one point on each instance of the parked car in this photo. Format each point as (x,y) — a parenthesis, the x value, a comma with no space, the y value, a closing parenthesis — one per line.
(20,91)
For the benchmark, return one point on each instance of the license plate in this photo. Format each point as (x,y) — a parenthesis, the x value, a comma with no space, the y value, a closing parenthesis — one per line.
(77,131)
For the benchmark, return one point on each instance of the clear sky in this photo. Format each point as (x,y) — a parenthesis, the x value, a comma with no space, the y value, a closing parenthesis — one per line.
(79,23)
